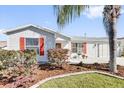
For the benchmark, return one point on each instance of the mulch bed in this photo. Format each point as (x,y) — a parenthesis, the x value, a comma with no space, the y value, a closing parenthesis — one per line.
(45,71)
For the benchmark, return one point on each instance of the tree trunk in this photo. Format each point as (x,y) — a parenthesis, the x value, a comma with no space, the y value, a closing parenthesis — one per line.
(113,45)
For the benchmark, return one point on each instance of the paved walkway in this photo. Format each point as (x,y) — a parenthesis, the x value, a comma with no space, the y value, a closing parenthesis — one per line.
(120,60)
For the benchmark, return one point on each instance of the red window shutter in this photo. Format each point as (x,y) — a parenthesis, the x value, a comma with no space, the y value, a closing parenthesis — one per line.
(22,43)
(41,46)
(84,47)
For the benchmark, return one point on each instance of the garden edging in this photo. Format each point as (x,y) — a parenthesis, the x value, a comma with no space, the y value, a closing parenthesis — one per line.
(76,73)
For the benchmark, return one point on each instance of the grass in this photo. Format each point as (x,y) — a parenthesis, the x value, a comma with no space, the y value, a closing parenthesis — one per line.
(93,80)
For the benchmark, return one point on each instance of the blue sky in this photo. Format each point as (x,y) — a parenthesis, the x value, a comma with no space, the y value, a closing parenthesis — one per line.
(90,21)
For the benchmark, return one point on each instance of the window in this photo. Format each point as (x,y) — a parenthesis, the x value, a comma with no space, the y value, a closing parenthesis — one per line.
(32,41)
(32,44)
(80,48)
(77,48)
(74,47)
(58,45)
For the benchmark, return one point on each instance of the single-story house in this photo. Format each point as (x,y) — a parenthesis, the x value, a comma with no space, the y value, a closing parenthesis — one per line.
(3,44)
(41,39)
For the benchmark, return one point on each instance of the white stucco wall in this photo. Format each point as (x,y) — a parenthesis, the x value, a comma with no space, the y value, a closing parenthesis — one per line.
(65,42)
(13,40)
(92,50)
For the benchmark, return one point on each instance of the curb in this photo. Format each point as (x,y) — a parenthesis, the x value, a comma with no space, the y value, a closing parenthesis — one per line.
(75,73)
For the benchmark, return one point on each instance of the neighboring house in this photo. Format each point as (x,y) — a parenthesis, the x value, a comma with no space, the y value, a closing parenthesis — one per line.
(95,47)
(3,44)
(92,46)
(42,39)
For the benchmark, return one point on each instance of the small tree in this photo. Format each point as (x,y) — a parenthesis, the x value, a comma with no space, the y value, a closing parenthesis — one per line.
(58,56)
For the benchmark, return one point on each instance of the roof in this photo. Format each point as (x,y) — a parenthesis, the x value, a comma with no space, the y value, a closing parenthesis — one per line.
(73,38)
(91,39)
(3,44)
(35,26)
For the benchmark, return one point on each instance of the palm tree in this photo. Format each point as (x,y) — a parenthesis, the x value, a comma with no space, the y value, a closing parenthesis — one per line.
(67,13)
(110,15)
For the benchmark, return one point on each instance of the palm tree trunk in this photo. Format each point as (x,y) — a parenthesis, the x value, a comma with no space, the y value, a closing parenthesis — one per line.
(113,45)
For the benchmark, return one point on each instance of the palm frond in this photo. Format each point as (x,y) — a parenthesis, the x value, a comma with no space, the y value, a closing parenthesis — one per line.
(67,13)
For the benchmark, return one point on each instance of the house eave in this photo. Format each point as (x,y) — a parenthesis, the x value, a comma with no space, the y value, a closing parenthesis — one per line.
(36,26)
(26,26)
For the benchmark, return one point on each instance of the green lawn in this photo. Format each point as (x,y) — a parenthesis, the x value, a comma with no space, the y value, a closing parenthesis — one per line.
(93,80)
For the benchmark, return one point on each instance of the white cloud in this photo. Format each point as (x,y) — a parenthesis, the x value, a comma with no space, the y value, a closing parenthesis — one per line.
(96,12)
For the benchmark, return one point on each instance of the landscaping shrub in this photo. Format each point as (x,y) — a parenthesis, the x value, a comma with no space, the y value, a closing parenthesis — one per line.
(58,56)
(17,62)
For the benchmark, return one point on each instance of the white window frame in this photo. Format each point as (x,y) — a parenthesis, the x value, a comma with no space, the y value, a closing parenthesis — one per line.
(30,46)
(74,47)
(78,48)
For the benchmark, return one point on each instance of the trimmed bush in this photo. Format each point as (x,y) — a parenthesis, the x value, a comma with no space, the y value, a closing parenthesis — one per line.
(17,62)
(58,56)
